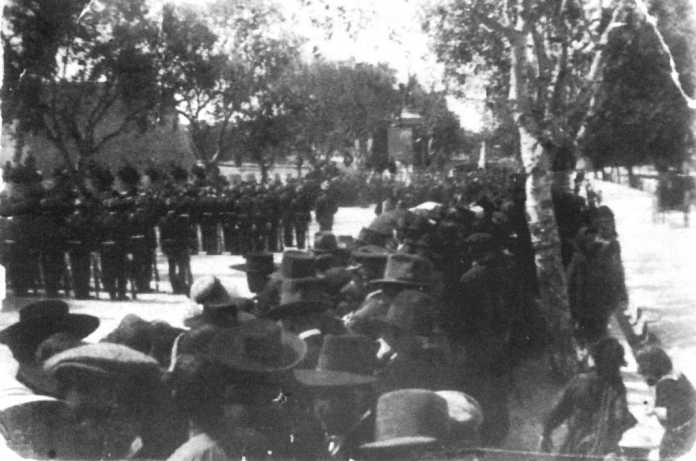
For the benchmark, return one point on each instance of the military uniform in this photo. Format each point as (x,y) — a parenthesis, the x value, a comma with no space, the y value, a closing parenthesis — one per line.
(174,235)
(79,242)
(113,247)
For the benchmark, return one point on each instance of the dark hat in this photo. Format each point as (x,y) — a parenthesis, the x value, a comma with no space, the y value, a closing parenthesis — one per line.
(344,360)
(220,307)
(257,346)
(325,242)
(300,297)
(407,270)
(370,252)
(409,418)
(372,237)
(133,332)
(41,319)
(297,265)
(411,311)
(102,359)
(346,241)
(257,262)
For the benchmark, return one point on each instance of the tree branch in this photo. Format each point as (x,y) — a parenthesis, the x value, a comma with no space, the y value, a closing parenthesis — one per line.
(493,25)
(125,123)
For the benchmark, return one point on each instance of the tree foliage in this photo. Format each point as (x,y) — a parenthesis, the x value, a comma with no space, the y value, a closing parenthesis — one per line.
(80,73)
(641,116)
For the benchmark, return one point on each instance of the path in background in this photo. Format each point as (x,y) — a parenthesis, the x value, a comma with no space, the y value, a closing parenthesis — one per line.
(660,263)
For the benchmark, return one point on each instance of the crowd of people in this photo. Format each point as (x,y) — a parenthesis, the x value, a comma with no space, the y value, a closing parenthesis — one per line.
(397,343)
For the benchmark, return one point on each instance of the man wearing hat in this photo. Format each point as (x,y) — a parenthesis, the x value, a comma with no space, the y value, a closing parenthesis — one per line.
(294,265)
(419,423)
(121,405)
(342,397)
(259,357)
(417,359)
(402,272)
(32,426)
(37,322)
(220,308)
(304,308)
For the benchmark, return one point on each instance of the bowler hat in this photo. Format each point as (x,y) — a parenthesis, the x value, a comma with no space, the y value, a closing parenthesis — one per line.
(300,297)
(409,418)
(344,360)
(257,346)
(102,359)
(41,319)
(407,270)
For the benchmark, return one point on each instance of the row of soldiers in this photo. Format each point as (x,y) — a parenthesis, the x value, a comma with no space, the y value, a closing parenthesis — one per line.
(105,232)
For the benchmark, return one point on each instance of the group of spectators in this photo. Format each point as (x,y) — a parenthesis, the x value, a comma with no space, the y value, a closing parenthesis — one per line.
(397,343)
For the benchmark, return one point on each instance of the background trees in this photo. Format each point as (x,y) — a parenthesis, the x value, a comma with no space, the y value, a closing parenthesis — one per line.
(79,73)
(545,60)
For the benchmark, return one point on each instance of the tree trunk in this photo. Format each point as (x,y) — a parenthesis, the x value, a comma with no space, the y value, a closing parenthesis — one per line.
(20,141)
(546,242)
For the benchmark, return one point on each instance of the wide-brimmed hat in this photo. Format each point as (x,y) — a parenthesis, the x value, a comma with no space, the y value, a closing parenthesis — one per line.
(297,264)
(325,242)
(370,253)
(409,418)
(300,297)
(261,262)
(408,270)
(41,319)
(411,311)
(219,306)
(257,346)
(344,360)
(102,359)
(372,237)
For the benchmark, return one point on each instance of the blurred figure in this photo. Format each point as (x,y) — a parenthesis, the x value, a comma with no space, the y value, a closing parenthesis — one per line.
(595,406)
(675,401)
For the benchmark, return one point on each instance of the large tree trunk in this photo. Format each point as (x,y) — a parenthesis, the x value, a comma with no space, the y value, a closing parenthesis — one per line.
(553,295)
(546,242)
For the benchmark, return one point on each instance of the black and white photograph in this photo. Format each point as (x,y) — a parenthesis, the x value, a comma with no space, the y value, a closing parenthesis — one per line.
(348,230)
